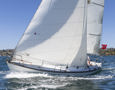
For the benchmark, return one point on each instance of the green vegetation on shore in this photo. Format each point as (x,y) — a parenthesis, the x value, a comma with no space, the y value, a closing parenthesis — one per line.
(107,52)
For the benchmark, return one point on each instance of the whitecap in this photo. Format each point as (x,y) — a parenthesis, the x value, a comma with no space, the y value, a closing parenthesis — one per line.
(46,86)
(95,77)
(53,86)
(24,75)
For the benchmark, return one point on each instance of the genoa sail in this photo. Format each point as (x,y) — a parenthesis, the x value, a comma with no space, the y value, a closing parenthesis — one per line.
(56,34)
(94,25)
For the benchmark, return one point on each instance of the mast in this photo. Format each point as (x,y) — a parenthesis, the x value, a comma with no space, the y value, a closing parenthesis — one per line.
(94,25)
(56,34)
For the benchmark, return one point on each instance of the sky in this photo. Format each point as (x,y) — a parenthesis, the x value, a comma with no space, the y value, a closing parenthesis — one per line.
(15,16)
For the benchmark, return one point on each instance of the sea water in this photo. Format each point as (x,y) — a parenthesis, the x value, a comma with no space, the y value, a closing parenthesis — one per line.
(105,80)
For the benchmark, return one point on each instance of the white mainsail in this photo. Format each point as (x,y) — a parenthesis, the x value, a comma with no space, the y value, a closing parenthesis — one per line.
(94,25)
(56,34)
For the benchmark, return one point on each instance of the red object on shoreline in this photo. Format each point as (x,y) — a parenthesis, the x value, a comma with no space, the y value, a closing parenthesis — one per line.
(104,46)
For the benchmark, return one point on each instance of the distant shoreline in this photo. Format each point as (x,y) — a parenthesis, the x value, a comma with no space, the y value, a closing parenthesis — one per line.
(107,52)
(6,52)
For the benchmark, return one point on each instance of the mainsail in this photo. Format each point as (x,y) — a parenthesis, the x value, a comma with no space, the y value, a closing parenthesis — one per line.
(56,34)
(94,25)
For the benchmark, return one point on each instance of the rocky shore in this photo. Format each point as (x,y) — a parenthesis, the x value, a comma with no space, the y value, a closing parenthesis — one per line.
(107,52)
(7,52)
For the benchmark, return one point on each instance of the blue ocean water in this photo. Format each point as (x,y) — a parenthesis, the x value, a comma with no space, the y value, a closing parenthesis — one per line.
(105,80)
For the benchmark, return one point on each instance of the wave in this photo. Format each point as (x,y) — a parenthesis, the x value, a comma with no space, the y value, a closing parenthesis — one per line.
(24,75)
(29,75)
(44,86)
(96,77)
(46,81)
(111,68)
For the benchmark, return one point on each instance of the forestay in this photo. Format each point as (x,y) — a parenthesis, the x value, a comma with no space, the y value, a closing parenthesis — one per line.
(56,34)
(94,26)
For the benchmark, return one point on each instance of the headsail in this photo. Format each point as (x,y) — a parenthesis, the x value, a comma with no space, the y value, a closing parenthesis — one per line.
(94,26)
(81,57)
(56,34)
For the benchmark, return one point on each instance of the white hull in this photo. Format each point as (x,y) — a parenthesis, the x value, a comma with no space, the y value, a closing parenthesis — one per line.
(19,68)
(16,68)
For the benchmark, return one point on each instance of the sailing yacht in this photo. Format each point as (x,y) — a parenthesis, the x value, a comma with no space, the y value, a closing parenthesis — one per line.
(56,39)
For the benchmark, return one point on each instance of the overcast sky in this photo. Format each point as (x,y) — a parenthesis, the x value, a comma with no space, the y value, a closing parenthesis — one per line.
(15,16)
